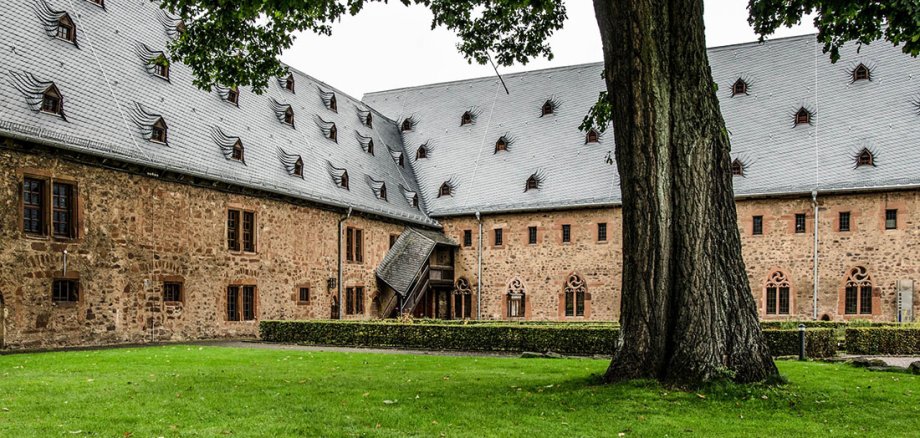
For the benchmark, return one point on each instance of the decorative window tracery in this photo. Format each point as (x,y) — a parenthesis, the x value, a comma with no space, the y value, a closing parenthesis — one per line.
(777,294)
(463,299)
(516,297)
(575,291)
(858,292)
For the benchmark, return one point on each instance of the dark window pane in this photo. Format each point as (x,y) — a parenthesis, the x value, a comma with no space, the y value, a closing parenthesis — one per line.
(891,219)
(569,303)
(359,246)
(467,238)
(233,298)
(467,305)
(62,209)
(172,292)
(800,223)
(359,300)
(784,300)
(532,235)
(249,231)
(844,222)
(566,233)
(771,300)
(579,303)
(304,294)
(458,306)
(249,303)
(65,291)
(350,301)
(602,232)
(349,244)
(865,299)
(33,206)
(498,237)
(233,230)
(850,300)
(758,225)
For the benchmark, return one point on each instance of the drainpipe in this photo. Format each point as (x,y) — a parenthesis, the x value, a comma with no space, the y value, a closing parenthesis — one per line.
(814,203)
(479,275)
(339,282)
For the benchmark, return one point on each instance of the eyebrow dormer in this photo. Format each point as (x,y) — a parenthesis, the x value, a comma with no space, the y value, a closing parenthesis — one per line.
(52,101)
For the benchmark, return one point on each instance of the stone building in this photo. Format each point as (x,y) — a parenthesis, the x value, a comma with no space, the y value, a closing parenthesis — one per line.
(138,208)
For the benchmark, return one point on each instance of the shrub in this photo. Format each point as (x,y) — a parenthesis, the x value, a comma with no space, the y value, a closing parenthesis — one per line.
(883,340)
(570,339)
(819,342)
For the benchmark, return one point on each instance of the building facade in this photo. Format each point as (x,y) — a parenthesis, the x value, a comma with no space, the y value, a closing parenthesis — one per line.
(137,208)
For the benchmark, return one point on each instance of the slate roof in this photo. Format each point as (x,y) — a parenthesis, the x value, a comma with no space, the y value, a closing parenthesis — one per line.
(407,257)
(103,79)
(779,158)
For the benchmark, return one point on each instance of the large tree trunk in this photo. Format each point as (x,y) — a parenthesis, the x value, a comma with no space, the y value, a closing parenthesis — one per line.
(687,313)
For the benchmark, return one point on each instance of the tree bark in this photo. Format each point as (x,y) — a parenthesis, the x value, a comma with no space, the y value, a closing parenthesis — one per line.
(687,313)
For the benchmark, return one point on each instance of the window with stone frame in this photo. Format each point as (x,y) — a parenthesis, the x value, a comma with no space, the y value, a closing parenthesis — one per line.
(602,232)
(777,294)
(463,299)
(532,235)
(172,292)
(354,300)
(467,238)
(354,245)
(516,297)
(241,230)
(38,204)
(574,296)
(499,237)
(800,223)
(891,219)
(65,290)
(303,295)
(33,206)
(566,233)
(757,225)
(858,292)
(241,303)
(63,208)
(843,221)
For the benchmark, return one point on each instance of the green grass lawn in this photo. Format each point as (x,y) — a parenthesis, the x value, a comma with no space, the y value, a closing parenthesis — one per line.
(212,391)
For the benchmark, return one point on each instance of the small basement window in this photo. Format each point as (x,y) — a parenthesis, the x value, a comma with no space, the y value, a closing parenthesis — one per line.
(172,292)
(66,29)
(802,117)
(52,102)
(158,131)
(739,87)
(861,73)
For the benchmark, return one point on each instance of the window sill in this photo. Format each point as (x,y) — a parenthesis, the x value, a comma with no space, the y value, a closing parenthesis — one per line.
(65,304)
(173,303)
(303,303)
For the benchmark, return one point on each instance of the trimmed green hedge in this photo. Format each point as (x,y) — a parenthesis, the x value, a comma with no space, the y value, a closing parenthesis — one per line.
(883,340)
(819,342)
(569,339)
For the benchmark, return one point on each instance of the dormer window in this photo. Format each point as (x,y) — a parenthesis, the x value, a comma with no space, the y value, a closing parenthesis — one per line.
(865,158)
(415,200)
(591,137)
(333,105)
(158,131)
(737,168)
(289,83)
(739,87)
(298,167)
(66,29)
(181,27)
(161,67)
(233,96)
(466,119)
(802,117)
(407,125)
(289,116)
(532,183)
(370,146)
(401,160)
(422,152)
(861,73)
(98,2)
(369,120)
(547,109)
(237,151)
(344,181)
(501,144)
(333,133)
(383,192)
(52,102)
(445,190)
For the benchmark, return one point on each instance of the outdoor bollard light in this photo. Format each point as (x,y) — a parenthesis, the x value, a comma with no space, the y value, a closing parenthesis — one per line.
(801,341)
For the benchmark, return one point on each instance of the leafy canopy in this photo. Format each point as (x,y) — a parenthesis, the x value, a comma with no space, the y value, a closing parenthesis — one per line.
(238,42)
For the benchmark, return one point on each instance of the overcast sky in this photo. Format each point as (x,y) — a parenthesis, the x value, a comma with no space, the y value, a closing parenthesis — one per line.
(391,46)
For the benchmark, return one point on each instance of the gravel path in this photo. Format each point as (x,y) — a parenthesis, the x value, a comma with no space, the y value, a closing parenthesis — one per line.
(892,361)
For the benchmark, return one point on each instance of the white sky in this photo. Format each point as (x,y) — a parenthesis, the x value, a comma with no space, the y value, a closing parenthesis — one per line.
(391,46)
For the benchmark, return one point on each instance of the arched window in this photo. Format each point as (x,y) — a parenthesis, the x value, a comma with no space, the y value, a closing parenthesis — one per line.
(237,151)
(298,167)
(333,133)
(865,158)
(158,131)
(445,190)
(333,105)
(861,73)
(737,168)
(66,29)
(532,183)
(52,101)
(591,137)
(344,180)
(289,116)
(501,144)
(858,292)
(739,87)
(575,291)
(777,294)
(466,118)
(802,117)
(516,299)
(463,299)
(547,108)
(422,152)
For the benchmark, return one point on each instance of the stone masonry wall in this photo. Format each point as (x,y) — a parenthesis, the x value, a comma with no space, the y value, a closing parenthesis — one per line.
(136,232)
